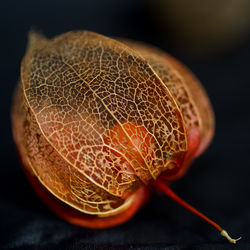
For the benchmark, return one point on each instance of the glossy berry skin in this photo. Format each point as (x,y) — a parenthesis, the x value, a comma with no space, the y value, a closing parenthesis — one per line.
(97,121)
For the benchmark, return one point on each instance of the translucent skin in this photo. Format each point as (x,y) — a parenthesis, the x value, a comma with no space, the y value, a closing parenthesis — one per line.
(191,98)
(186,89)
(80,219)
(96,123)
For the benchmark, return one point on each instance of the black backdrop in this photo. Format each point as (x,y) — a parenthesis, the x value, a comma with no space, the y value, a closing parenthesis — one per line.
(217,183)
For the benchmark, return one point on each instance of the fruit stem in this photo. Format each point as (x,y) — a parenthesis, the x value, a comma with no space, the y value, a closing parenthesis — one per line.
(166,190)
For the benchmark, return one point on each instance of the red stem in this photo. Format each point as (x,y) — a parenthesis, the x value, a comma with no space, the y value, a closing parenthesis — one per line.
(159,184)
(166,190)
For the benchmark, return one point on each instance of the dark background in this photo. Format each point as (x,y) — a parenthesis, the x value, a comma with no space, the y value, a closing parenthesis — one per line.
(218,182)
